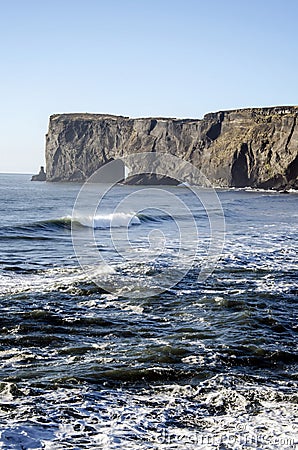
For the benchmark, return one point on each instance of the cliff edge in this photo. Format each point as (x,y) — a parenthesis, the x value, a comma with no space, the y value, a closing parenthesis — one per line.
(256,147)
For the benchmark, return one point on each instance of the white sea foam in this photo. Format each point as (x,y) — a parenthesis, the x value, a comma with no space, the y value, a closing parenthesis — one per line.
(113,220)
(47,280)
(216,414)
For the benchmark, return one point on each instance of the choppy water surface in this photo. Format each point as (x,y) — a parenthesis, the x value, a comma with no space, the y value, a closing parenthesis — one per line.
(203,365)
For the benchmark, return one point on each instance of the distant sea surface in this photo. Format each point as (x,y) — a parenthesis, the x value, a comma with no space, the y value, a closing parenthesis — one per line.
(204,365)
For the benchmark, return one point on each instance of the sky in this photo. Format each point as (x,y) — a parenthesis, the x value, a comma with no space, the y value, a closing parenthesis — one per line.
(138,58)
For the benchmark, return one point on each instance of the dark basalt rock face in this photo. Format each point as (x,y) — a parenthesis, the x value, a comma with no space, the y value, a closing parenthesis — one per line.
(254,147)
(151,179)
(41,176)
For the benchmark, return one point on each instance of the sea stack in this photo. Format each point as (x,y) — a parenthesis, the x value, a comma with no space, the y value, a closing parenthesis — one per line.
(41,176)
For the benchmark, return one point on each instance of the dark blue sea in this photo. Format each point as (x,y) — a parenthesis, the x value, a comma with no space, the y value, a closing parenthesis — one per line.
(110,336)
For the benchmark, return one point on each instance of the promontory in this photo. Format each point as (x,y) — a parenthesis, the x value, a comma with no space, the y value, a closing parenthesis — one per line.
(256,147)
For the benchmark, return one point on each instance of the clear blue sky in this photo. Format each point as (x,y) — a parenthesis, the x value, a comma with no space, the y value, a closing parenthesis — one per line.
(138,58)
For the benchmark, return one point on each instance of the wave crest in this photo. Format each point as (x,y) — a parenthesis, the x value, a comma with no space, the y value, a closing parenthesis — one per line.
(102,221)
(98,221)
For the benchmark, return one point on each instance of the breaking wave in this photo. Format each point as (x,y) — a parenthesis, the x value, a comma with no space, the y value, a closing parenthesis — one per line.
(102,221)
(98,221)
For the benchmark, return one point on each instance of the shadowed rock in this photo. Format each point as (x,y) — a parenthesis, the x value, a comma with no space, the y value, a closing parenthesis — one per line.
(41,176)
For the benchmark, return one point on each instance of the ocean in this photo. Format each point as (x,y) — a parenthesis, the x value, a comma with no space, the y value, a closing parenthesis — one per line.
(112,339)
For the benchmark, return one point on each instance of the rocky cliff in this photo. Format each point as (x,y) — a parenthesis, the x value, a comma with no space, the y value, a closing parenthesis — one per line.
(255,147)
